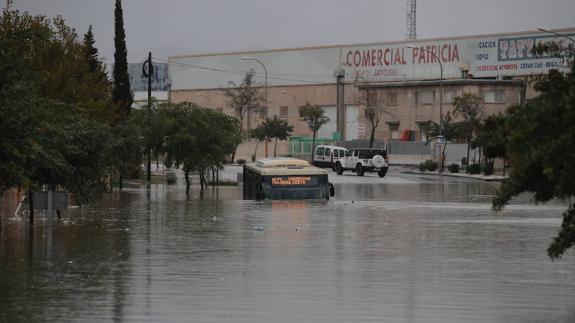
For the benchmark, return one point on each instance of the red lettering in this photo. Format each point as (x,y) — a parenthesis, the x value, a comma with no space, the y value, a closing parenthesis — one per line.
(397,59)
(379,56)
(366,57)
(356,58)
(414,54)
(373,52)
(455,54)
(387,56)
(403,61)
(443,53)
(348,58)
(421,56)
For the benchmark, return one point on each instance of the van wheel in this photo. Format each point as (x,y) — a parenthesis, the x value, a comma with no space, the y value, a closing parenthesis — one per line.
(382,172)
(338,168)
(359,170)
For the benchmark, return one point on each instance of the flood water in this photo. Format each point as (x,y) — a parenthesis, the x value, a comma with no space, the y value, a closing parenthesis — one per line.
(428,251)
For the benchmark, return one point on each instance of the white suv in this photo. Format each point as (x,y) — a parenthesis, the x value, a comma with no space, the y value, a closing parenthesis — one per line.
(327,156)
(364,160)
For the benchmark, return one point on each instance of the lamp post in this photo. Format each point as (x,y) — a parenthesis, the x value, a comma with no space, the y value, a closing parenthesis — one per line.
(440,137)
(549,31)
(440,84)
(247,58)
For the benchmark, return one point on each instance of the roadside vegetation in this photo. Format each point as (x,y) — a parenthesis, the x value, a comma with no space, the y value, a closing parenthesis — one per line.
(64,124)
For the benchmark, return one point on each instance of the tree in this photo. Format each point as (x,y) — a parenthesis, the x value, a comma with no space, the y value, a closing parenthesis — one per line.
(315,118)
(449,129)
(541,151)
(491,137)
(245,99)
(470,108)
(91,52)
(48,108)
(121,93)
(372,112)
(197,139)
(259,134)
(277,128)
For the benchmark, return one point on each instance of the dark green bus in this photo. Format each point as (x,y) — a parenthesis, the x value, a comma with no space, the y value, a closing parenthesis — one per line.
(285,179)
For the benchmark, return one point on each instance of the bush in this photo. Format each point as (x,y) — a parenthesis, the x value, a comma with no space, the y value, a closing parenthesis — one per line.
(171,178)
(241,161)
(488,168)
(473,169)
(428,165)
(453,168)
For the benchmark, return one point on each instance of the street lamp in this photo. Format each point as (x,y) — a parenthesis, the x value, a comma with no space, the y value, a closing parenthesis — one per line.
(440,137)
(412,46)
(247,58)
(549,31)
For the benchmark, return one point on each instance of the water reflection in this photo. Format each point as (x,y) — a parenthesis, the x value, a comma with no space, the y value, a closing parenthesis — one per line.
(413,252)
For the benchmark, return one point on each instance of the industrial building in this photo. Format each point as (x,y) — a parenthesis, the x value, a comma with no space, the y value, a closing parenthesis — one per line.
(404,79)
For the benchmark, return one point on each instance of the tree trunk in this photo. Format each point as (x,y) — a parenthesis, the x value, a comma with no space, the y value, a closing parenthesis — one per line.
(202,181)
(120,182)
(275,147)
(31,205)
(372,138)
(467,160)
(256,151)
(313,146)
(188,183)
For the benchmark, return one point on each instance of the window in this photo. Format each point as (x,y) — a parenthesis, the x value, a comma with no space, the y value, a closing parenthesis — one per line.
(283,112)
(336,153)
(424,97)
(327,152)
(495,96)
(391,98)
(394,130)
(319,151)
(372,98)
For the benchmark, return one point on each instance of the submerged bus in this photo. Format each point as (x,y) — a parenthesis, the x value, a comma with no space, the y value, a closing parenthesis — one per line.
(285,179)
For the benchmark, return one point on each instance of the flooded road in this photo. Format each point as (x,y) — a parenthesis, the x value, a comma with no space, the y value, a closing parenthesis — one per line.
(414,249)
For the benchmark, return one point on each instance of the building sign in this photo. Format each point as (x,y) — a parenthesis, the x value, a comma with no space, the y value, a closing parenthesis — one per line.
(480,56)
(294,180)
(139,83)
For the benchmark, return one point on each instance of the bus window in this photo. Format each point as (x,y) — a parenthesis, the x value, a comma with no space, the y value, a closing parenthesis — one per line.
(327,152)
(319,151)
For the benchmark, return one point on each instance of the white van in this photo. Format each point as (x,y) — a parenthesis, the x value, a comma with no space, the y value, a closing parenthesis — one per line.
(327,156)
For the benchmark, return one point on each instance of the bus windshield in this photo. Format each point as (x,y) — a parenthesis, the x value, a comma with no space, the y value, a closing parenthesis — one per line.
(294,193)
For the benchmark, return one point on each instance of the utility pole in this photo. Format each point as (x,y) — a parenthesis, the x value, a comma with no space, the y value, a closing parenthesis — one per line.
(340,113)
(148,70)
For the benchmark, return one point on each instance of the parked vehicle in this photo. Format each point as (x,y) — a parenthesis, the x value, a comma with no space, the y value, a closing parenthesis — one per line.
(327,156)
(364,160)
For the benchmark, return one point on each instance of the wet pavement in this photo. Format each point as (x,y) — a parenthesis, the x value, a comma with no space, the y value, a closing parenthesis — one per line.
(406,248)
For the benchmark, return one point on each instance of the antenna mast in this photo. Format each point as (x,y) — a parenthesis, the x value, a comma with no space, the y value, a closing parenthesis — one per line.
(411,20)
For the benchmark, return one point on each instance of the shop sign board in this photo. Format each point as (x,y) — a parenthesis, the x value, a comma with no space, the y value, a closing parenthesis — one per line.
(480,56)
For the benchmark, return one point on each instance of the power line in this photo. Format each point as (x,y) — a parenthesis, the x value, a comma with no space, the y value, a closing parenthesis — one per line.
(180,64)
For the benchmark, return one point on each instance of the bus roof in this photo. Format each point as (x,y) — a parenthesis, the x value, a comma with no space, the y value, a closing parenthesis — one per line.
(284,166)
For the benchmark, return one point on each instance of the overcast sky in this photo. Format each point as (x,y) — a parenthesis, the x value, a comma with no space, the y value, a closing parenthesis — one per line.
(179,27)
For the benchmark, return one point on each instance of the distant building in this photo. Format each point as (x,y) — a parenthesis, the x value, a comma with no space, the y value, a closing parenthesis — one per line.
(403,81)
